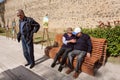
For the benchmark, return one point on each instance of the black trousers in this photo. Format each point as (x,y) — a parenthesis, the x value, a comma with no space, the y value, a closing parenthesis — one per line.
(63,52)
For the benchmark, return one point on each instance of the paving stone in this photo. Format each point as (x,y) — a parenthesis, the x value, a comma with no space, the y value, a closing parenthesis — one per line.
(11,57)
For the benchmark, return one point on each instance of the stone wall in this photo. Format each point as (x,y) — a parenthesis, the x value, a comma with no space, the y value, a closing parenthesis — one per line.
(66,13)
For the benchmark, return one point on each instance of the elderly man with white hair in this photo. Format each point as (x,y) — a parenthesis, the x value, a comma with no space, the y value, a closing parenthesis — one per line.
(82,47)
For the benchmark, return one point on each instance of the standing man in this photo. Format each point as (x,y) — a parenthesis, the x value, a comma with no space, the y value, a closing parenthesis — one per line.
(82,47)
(27,27)
(7,30)
(13,29)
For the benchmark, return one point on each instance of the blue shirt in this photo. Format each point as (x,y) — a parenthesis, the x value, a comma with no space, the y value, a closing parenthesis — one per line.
(22,23)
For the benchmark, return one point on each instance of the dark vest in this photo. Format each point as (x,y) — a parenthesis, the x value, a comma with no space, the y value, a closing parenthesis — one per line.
(68,45)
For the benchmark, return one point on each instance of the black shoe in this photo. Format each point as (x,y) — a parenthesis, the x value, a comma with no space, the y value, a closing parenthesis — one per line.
(31,66)
(27,64)
(60,68)
(53,65)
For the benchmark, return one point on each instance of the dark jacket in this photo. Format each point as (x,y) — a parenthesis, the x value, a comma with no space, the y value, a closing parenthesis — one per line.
(83,43)
(30,27)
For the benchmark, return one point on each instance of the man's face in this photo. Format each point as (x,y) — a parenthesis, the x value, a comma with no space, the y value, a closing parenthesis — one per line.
(69,30)
(20,15)
(79,34)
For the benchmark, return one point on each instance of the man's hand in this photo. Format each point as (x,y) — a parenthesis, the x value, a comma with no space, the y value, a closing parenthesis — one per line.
(18,37)
(72,41)
(88,54)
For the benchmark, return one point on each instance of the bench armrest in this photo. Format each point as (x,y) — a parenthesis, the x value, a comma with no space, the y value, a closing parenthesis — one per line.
(55,44)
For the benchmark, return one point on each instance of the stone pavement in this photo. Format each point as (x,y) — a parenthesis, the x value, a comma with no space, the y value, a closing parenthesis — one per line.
(11,57)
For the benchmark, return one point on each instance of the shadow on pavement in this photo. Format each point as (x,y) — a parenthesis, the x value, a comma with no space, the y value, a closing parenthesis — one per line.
(42,59)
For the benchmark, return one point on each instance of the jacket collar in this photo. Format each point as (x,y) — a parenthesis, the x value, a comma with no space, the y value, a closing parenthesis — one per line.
(24,19)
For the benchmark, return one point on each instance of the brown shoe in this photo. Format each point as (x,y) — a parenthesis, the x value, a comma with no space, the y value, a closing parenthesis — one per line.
(76,74)
(69,71)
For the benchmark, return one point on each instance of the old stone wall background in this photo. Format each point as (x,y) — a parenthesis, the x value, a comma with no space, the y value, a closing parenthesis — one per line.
(66,13)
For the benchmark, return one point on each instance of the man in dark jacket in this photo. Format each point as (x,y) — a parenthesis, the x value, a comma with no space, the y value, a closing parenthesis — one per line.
(27,27)
(82,47)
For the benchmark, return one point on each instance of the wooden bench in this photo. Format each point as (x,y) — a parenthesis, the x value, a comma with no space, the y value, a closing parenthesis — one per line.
(89,65)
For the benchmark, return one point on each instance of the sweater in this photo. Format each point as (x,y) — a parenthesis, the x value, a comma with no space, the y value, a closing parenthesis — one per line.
(83,43)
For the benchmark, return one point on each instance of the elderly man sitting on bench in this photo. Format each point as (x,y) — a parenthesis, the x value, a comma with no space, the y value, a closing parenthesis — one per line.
(82,47)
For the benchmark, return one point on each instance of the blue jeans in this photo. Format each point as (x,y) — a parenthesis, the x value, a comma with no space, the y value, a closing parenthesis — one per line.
(28,51)
(80,56)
